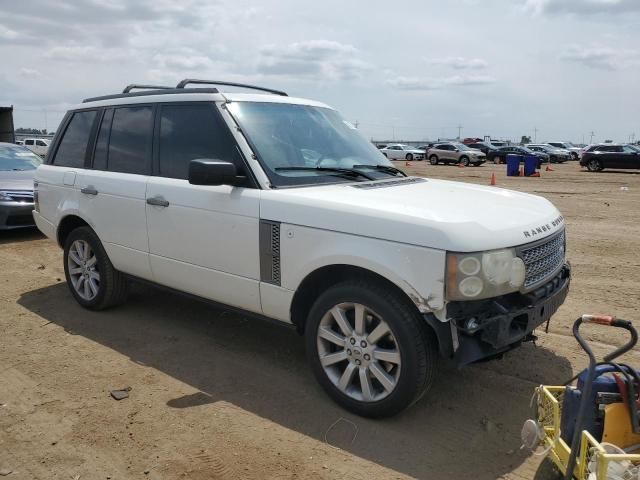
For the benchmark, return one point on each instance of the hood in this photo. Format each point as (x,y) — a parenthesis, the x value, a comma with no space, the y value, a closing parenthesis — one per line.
(17,180)
(432,213)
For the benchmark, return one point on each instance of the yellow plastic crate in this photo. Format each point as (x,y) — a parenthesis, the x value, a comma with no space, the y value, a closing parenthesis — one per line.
(592,454)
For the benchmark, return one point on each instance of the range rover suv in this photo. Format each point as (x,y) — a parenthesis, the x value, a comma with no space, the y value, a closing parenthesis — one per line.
(278,207)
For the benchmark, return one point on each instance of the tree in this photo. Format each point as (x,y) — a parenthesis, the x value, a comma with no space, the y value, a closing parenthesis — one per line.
(525,139)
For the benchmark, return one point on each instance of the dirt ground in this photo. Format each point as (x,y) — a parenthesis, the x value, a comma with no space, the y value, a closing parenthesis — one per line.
(215,395)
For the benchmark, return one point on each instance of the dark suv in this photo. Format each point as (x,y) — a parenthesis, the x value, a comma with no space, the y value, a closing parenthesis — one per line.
(611,156)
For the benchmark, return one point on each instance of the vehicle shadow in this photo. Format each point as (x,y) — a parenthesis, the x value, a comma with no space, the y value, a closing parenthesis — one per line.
(19,235)
(468,417)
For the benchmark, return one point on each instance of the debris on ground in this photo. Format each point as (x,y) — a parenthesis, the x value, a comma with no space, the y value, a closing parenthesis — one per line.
(121,394)
(5,471)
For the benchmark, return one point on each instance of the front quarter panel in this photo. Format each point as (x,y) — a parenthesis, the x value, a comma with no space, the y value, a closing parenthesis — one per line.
(418,271)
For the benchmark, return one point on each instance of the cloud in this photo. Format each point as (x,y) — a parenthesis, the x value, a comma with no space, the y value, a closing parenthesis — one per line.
(29,73)
(603,58)
(426,83)
(582,7)
(460,63)
(324,58)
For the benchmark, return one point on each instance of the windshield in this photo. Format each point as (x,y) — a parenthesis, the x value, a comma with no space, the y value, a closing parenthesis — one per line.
(292,140)
(461,146)
(18,158)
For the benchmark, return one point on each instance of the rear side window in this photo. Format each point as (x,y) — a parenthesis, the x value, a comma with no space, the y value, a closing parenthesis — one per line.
(188,132)
(73,146)
(28,142)
(130,140)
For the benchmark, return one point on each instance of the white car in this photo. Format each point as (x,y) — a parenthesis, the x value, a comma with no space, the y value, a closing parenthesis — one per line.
(402,152)
(275,206)
(39,146)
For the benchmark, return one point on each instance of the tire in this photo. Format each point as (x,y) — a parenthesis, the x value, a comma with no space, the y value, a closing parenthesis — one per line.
(464,161)
(553,160)
(594,165)
(372,387)
(409,157)
(574,156)
(433,160)
(497,160)
(93,281)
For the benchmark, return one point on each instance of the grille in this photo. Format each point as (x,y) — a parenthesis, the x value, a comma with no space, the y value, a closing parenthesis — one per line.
(270,252)
(542,260)
(275,249)
(390,183)
(20,195)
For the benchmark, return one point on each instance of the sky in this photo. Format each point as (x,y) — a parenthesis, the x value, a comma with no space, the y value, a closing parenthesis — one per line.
(403,70)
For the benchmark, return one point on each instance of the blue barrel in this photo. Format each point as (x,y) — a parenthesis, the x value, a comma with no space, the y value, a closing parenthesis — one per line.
(530,164)
(513,164)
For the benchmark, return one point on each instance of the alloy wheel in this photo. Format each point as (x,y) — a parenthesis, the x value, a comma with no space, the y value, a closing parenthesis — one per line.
(83,270)
(358,352)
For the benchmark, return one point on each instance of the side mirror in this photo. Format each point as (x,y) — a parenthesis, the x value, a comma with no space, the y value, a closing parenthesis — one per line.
(213,172)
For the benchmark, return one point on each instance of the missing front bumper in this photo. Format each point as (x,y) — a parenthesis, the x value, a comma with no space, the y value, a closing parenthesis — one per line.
(491,327)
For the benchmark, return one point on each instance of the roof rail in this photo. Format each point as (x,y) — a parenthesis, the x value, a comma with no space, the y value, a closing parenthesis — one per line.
(136,86)
(187,81)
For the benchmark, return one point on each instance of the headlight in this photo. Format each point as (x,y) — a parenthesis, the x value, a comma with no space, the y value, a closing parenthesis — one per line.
(4,197)
(472,276)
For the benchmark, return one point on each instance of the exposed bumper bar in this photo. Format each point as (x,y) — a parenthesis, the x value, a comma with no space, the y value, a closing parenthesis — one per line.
(488,328)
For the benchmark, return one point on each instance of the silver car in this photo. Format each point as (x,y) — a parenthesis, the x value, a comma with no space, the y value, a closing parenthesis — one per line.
(575,151)
(453,152)
(556,155)
(17,167)
(400,151)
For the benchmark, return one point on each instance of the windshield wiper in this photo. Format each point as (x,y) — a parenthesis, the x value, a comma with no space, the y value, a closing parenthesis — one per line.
(347,172)
(384,168)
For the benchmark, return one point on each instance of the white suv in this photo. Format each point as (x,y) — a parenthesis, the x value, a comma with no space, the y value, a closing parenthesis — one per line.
(278,207)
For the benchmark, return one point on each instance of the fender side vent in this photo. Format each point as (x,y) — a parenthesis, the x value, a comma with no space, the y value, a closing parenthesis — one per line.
(390,183)
(270,252)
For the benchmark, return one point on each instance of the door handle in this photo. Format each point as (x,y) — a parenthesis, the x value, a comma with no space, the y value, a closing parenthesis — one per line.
(157,201)
(89,191)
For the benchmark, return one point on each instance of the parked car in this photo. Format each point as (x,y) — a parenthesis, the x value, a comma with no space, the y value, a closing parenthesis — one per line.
(556,155)
(575,151)
(39,146)
(611,156)
(17,168)
(455,153)
(275,206)
(399,151)
(501,155)
(484,147)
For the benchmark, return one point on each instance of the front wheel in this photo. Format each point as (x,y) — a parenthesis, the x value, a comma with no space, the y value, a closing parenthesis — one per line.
(91,277)
(497,160)
(409,157)
(433,160)
(464,161)
(369,349)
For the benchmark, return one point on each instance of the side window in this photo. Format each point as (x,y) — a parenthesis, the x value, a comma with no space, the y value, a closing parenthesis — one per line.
(73,145)
(28,142)
(40,143)
(188,132)
(102,143)
(131,139)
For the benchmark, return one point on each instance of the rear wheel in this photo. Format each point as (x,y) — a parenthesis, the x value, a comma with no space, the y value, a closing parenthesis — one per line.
(497,160)
(553,159)
(409,156)
(369,349)
(91,277)
(594,165)
(433,160)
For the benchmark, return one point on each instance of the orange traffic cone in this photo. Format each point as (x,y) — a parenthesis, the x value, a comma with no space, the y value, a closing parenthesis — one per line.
(460,165)
(535,174)
(407,163)
(521,174)
(493,179)
(549,169)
